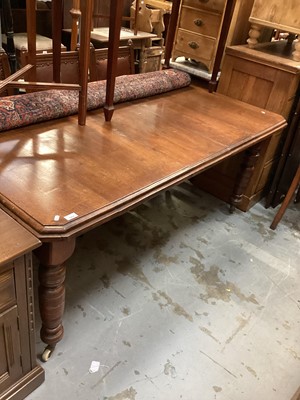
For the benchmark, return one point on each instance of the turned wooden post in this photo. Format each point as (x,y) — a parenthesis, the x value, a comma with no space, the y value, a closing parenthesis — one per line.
(171,31)
(52,272)
(254,34)
(57,12)
(31,37)
(244,175)
(9,31)
(296,52)
(75,13)
(52,302)
(84,57)
(229,8)
(136,16)
(115,20)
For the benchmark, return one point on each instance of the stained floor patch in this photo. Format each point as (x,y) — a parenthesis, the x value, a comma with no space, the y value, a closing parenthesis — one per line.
(214,286)
(127,394)
(177,294)
(177,308)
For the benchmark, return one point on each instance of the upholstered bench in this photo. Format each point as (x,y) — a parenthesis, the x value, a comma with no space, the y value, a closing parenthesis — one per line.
(43,44)
(30,108)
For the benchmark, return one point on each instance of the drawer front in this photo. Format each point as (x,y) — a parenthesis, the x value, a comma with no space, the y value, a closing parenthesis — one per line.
(213,5)
(200,22)
(197,47)
(7,289)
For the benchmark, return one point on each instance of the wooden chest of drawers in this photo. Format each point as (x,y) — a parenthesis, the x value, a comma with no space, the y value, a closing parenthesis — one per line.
(198,30)
(19,372)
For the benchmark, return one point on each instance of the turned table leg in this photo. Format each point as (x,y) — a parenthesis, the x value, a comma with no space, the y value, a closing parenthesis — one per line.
(254,34)
(244,175)
(52,272)
(296,52)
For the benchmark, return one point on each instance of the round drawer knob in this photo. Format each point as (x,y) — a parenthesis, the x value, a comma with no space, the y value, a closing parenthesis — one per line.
(198,22)
(193,45)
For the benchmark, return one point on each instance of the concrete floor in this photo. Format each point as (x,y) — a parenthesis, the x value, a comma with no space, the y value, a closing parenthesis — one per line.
(179,299)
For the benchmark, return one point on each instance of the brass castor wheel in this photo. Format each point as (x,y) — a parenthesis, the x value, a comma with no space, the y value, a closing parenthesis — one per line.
(47,353)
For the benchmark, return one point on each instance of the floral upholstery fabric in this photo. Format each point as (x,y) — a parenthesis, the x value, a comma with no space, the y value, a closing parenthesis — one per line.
(30,108)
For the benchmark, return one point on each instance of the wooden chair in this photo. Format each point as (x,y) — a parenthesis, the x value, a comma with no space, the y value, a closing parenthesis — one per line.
(43,44)
(4,65)
(292,189)
(98,62)
(7,37)
(29,70)
(75,13)
(69,66)
(15,39)
(5,71)
(86,9)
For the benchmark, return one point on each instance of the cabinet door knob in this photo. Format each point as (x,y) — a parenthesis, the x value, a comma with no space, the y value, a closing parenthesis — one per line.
(193,45)
(198,22)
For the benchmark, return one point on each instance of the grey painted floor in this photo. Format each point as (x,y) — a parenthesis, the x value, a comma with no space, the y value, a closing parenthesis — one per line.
(179,299)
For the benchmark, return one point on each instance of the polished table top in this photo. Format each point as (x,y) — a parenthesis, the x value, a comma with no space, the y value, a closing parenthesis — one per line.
(61,179)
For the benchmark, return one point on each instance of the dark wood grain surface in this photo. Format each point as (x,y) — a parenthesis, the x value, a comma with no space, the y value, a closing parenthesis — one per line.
(60,179)
(58,168)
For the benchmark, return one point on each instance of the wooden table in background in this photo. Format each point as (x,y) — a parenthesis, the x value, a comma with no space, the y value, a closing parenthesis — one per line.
(100,37)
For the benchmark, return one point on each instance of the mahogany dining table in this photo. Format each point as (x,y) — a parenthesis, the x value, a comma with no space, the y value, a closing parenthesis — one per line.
(60,179)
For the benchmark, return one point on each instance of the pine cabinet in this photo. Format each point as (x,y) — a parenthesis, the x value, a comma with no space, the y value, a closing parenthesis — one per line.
(19,372)
(267,78)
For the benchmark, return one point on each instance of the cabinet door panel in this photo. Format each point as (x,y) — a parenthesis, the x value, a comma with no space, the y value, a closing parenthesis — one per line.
(7,289)
(10,356)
